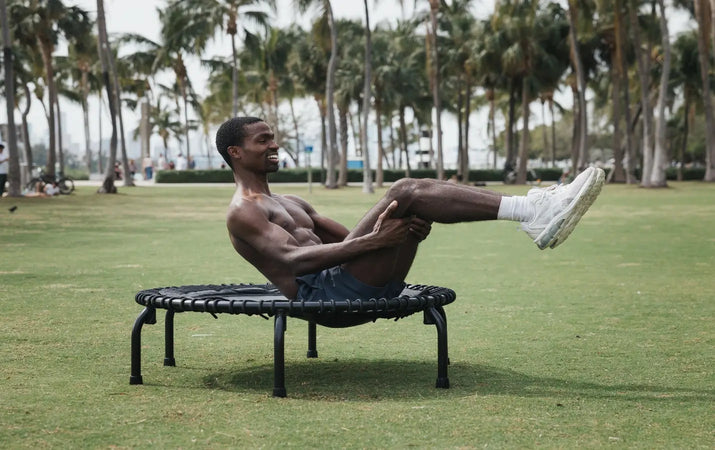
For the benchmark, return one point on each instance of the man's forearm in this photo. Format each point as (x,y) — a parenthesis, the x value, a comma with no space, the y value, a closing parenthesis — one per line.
(314,258)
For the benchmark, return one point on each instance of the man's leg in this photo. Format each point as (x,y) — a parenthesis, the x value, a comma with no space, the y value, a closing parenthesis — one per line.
(431,200)
(547,215)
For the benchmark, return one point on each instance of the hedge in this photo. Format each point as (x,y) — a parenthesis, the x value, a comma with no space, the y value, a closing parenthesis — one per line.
(300,175)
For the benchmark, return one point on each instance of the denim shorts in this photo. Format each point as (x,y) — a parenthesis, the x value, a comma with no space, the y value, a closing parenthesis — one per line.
(337,284)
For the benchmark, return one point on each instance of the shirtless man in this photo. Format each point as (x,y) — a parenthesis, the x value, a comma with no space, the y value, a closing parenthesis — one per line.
(311,257)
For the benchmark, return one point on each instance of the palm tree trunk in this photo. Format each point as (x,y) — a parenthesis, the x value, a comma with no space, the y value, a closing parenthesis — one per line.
(434,8)
(366,97)
(50,81)
(118,106)
(108,183)
(460,131)
(643,73)
(581,79)
(524,142)
(329,95)
(686,129)
(403,139)
(618,175)
(630,150)
(60,150)
(84,88)
(660,155)
(704,58)
(379,174)
(14,185)
(343,167)
(296,130)
(467,114)
(234,77)
(509,141)
(543,125)
(26,133)
(553,130)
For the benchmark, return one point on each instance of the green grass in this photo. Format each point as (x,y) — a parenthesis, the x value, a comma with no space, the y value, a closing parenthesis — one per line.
(605,341)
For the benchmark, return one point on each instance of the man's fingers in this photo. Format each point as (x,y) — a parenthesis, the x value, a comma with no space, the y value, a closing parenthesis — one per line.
(385,214)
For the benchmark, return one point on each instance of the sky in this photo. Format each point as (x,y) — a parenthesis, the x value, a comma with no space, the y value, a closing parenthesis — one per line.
(140,16)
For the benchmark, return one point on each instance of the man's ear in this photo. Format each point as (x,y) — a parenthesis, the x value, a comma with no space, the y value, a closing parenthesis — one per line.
(234,151)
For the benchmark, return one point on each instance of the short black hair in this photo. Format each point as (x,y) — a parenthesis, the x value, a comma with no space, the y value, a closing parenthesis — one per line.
(232,132)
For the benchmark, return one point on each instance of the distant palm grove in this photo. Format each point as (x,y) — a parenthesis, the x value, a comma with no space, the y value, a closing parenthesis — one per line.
(640,92)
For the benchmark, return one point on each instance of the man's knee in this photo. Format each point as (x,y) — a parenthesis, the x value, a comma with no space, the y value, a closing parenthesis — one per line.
(405,190)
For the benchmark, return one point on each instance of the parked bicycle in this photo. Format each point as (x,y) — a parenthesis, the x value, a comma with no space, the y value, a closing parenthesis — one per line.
(37,184)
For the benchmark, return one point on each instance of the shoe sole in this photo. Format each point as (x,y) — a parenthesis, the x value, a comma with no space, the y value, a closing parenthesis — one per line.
(561,226)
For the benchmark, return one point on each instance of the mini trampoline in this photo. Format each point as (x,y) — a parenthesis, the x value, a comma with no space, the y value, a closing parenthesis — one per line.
(267,301)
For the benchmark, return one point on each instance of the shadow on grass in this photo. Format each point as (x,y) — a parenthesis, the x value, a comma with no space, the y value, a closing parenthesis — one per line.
(400,380)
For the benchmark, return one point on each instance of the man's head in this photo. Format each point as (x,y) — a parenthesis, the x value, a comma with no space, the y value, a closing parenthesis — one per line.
(2,146)
(231,133)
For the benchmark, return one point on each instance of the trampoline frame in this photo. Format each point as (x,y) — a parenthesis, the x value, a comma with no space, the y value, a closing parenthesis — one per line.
(266,300)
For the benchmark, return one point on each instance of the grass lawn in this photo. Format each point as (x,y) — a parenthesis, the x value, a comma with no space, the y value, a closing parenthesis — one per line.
(605,341)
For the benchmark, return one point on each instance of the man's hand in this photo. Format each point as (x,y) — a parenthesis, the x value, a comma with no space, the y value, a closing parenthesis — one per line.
(392,232)
(420,228)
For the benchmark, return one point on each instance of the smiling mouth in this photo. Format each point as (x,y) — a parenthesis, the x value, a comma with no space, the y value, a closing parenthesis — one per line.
(273,158)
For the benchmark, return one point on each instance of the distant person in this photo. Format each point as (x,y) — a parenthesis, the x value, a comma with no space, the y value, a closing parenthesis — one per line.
(52,189)
(192,163)
(3,168)
(311,257)
(148,167)
(132,168)
(162,165)
(117,171)
(47,190)
(181,163)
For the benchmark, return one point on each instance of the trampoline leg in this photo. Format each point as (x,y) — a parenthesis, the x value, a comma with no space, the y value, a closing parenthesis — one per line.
(169,339)
(312,347)
(279,389)
(148,315)
(433,316)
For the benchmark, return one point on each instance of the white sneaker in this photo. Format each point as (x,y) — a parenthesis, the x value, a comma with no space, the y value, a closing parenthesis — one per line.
(560,207)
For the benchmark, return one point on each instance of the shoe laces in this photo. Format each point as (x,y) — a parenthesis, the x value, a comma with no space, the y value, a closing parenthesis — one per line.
(541,195)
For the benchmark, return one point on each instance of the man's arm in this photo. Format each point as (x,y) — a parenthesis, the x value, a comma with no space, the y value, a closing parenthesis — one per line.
(328,230)
(249,225)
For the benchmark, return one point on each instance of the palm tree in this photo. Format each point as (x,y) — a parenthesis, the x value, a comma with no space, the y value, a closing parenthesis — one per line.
(686,75)
(226,14)
(701,10)
(435,81)
(643,66)
(366,97)
(660,154)
(181,35)
(582,143)
(14,189)
(48,20)
(460,71)
(303,5)
(104,55)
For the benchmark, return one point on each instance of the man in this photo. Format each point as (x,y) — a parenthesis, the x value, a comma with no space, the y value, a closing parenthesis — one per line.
(310,257)
(3,168)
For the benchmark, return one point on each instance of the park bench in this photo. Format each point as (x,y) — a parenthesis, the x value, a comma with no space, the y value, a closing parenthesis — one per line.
(266,300)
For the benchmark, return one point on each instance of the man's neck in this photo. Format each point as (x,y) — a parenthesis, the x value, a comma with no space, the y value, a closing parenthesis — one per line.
(251,182)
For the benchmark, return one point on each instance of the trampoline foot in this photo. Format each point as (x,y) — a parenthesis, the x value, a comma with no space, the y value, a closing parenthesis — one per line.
(442,383)
(312,354)
(170,362)
(136,379)
(279,392)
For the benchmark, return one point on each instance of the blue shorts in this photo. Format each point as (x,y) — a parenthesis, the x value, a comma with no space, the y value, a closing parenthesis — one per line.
(337,284)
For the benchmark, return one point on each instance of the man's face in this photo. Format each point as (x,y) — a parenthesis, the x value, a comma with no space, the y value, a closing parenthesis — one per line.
(259,151)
